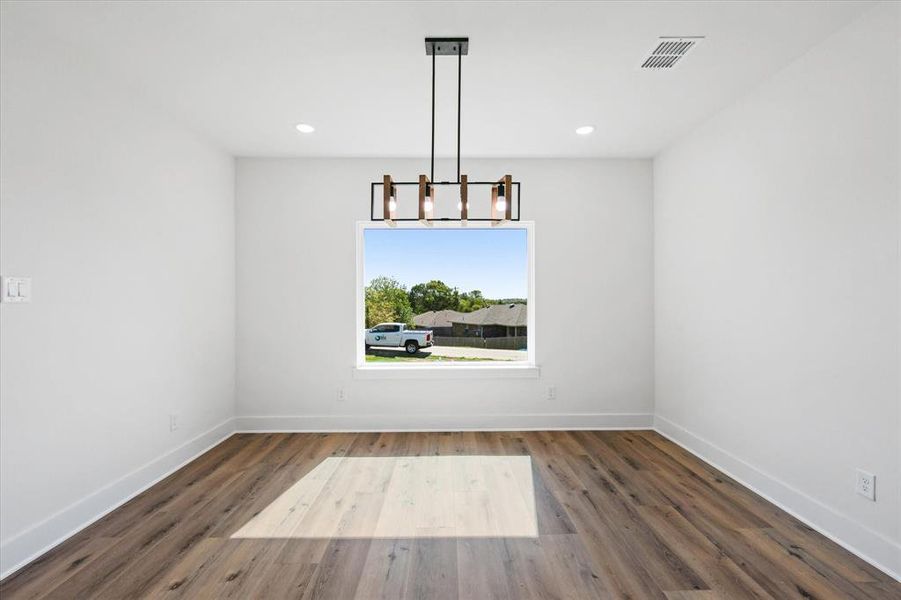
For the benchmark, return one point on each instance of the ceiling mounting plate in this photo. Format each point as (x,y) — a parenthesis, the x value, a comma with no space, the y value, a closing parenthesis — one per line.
(447,46)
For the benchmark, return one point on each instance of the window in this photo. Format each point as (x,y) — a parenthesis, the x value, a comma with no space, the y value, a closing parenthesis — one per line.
(445,295)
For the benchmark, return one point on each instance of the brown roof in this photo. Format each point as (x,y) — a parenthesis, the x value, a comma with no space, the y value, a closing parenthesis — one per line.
(439,318)
(511,315)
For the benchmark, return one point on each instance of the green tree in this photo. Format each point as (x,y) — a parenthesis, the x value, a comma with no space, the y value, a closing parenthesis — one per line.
(510,301)
(387,301)
(434,295)
(472,301)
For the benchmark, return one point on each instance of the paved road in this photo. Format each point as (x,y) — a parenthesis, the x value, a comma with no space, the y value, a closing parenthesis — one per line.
(489,353)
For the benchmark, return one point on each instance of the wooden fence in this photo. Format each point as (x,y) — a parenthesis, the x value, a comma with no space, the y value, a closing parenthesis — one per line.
(497,343)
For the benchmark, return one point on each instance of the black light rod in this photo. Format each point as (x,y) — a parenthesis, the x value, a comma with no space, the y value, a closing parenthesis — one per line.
(459,84)
(432,173)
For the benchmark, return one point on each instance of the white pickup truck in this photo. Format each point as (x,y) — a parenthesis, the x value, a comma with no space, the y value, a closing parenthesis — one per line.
(397,335)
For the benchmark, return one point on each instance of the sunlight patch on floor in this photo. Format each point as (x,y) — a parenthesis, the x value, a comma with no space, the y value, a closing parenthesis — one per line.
(404,497)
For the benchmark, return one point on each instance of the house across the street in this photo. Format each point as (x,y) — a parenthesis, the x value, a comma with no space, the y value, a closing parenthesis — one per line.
(439,321)
(499,320)
(500,326)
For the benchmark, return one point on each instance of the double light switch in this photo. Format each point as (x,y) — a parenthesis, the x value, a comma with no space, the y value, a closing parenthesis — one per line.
(16,289)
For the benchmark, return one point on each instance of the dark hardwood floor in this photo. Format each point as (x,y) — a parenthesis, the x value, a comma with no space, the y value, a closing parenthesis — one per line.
(617,515)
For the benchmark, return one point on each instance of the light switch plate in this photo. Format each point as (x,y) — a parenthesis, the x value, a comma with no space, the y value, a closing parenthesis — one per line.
(15,289)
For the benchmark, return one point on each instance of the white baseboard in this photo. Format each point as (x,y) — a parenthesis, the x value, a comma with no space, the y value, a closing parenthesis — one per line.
(869,545)
(413,422)
(22,548)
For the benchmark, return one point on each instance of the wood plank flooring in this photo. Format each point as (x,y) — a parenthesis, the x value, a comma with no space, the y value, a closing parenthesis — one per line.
(390,497)
(624,514)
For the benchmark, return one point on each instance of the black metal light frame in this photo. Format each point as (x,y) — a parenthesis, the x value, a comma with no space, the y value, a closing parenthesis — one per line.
(457,46)
(489,184)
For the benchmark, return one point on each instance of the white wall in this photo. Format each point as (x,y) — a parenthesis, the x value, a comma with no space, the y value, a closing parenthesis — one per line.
(296,285)
(126,224)
(777,286)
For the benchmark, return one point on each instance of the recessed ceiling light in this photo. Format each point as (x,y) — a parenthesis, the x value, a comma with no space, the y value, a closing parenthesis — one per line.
(584,129)
(305,128)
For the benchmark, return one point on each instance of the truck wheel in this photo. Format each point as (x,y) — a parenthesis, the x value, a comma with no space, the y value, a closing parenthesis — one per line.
(412,347)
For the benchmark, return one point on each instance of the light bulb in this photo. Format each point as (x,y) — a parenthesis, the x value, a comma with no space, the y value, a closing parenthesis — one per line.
(501,204)
(392,205)
(427,205)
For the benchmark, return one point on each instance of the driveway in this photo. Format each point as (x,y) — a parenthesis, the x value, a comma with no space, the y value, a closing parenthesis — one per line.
(487,353)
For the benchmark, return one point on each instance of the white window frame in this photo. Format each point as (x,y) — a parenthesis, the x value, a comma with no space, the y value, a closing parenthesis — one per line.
(451,369)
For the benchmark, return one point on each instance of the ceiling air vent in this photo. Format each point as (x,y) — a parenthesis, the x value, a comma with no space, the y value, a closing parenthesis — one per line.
(669,50)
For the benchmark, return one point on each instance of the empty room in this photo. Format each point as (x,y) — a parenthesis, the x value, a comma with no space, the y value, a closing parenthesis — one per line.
(435,300)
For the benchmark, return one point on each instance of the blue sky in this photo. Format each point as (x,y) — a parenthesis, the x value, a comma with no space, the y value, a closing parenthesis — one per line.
(491,260)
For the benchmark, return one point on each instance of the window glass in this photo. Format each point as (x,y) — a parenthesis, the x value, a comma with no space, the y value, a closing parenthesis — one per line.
(461,292)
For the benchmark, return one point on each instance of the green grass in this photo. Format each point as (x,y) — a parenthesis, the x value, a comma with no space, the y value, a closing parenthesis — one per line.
(429,358)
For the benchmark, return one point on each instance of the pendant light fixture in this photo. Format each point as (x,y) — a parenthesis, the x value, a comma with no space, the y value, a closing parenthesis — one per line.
(501,195)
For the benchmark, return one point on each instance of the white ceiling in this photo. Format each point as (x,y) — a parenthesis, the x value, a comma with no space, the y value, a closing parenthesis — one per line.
(244,73)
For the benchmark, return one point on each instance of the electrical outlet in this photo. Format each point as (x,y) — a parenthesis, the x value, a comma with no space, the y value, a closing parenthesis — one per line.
(173,422)
(340,394)
(552,392)
(866,485)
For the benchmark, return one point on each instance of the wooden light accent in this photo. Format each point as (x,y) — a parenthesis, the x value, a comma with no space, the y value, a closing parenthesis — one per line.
(464,198)
(494,215)
(426,215)
(508,196)
(389,192)
(507,182)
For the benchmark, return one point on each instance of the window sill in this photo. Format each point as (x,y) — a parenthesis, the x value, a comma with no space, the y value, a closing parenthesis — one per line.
(482,371)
